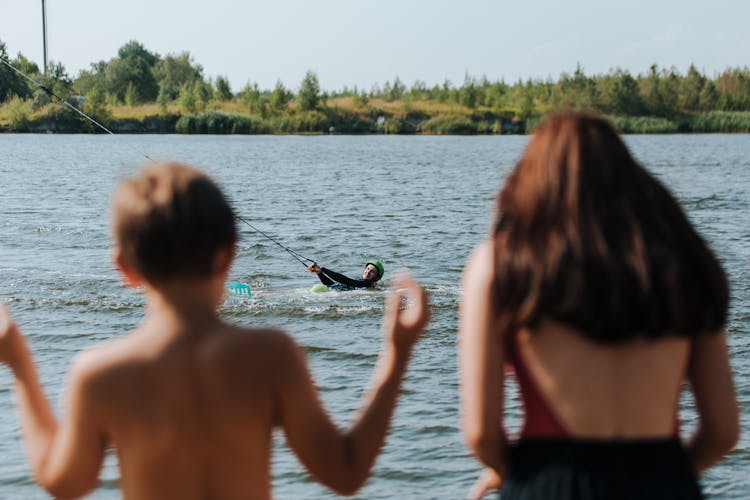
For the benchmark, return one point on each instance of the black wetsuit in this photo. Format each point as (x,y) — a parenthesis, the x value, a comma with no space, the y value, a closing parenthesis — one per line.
(328,278)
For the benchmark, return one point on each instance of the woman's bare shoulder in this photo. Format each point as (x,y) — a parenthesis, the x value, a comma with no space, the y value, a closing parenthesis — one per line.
(480,264)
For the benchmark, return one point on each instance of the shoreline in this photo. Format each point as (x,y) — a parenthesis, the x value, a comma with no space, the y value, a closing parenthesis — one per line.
(337,121)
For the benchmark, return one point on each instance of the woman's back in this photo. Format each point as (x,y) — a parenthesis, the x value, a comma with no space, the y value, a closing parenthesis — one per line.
(628,390)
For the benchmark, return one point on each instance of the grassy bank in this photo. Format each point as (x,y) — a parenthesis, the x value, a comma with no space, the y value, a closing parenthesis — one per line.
(337,116)
(342,115)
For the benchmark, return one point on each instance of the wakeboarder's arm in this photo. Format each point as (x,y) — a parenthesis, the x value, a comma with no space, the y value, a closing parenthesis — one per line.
(342,460)
(315,268)
(344,280)
(65,457)
(325,279)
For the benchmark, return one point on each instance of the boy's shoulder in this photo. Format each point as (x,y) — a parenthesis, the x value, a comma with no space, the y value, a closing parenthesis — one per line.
(112,368)
(229,343)
(265,346)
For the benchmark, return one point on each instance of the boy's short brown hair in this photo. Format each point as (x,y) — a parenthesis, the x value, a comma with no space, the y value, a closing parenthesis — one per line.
(171,220)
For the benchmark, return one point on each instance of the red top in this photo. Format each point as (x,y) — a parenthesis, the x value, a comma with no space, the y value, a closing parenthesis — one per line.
(539,419)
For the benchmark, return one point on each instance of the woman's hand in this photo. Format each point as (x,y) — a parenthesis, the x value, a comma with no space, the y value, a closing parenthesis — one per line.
(488,480)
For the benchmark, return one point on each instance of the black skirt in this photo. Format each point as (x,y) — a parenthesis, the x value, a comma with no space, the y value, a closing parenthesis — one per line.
(583,469)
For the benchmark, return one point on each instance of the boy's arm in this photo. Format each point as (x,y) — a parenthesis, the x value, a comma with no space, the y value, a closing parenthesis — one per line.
(65,458)
(342,460)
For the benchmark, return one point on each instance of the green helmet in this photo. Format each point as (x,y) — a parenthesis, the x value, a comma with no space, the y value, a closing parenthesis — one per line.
(379,265)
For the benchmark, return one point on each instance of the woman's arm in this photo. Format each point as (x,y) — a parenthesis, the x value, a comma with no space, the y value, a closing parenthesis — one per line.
(481,362)
(710,376)
(342,460)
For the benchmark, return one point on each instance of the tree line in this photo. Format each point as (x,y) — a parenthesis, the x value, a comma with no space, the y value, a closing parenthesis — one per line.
(177,85)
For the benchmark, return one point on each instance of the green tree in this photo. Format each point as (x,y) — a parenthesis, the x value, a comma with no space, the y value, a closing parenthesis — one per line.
(202,93)
(134,49)
(618,94)
(468,94)
(131,95)
(521,99)
(187,98)
(394,92)
(174,71)
(252,97)
(87,80)
(308,96)
(162,100)
(496,95)
(11,83)
(360,99)
(708,97)
(443,92)
(25,66)
(690,89)
(55,81)
(418,91)
(17,113)
(649,88)
(733,88)
(132,69)
(95,105)
(223,91)
(576,91)
(280,96)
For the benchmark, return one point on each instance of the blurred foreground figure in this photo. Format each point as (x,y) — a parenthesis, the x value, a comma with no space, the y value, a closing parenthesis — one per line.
(603,300)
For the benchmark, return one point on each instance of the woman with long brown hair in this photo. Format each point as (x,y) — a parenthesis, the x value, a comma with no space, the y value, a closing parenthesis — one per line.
(599,294)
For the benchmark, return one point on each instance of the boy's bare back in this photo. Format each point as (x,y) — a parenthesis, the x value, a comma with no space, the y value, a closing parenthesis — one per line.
(191,414)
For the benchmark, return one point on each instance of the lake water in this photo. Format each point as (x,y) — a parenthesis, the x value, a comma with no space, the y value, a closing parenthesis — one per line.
(413,202)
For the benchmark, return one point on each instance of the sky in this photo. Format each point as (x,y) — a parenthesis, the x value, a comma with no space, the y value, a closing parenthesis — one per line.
(348,43)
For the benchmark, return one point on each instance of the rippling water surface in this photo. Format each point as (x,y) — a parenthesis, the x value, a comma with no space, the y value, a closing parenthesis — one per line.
(415,202)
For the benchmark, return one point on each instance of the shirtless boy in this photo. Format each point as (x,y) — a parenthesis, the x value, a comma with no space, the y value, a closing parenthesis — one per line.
(189,402)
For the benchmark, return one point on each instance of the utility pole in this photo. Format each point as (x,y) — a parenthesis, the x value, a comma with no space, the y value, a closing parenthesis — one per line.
(44,34)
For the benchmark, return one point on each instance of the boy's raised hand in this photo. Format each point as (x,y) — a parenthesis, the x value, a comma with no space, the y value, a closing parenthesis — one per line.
(407,311)
(9,336)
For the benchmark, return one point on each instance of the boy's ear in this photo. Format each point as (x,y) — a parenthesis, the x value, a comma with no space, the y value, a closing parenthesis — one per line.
(224,258)
(129,275)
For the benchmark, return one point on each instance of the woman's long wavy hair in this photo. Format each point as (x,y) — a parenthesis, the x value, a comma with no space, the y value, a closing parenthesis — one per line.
(585,236)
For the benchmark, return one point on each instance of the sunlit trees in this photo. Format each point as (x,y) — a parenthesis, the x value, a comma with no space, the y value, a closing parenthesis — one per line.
(395,91)
(222,91)
(11,83)
(172,72)
(280,97)
(733,89)
(657,99)
(308,96)
(618,94)
(130,76)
